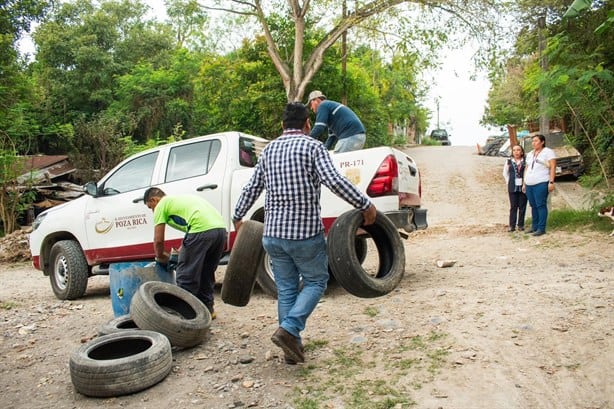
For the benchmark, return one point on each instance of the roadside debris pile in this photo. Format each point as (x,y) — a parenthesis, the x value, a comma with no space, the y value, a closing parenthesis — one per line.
(14,247)
(494,146)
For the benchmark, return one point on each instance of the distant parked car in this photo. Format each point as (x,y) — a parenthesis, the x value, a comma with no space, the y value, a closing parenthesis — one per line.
(440,135)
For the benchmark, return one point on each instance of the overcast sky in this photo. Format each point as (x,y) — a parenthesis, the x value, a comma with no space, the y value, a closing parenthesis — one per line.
(461,100)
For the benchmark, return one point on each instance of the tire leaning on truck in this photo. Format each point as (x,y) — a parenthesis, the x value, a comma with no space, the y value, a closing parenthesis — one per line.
(345,263)
(69,270)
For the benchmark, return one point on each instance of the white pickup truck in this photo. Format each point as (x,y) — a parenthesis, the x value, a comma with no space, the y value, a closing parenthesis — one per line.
(110,223)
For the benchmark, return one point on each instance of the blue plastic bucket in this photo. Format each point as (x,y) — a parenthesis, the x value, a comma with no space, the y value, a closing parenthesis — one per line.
(126,278)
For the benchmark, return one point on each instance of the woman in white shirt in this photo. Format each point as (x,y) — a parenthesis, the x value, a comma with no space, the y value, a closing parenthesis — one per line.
(539,182)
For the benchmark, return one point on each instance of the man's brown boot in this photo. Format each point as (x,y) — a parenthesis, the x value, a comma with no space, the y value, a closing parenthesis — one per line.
(289,344)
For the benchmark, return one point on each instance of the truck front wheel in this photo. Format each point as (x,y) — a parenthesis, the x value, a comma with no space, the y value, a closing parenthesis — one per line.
(69,271)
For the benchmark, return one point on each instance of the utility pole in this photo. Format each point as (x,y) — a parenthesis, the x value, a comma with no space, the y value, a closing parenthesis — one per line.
(437,104)
(544,121)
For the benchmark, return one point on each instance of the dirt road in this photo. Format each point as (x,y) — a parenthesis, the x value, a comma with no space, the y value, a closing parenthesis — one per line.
(516,322)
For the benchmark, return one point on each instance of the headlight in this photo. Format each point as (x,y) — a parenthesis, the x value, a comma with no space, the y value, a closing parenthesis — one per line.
(37,222)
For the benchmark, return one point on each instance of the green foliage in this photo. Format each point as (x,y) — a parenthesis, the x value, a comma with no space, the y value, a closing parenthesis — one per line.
(85,48)
(153,100)
(189,23)
(346,374)
(315,344)
(508,99)
(15,195)
(578,83)
(578,220)
(105,64)
(98,147)
(8,305)
(240,92)
(430,142)
(371,311)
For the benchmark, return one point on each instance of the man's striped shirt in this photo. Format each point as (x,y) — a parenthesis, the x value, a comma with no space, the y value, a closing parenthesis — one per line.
(292,169)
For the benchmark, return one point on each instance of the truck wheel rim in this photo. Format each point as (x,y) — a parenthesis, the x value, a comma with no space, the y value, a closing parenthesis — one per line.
(61,267)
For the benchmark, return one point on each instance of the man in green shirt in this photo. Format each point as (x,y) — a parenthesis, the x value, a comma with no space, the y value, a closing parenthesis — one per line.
(202,246)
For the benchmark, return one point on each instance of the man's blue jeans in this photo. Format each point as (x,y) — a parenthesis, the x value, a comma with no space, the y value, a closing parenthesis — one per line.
(538,199)
(351,143)
(292,260)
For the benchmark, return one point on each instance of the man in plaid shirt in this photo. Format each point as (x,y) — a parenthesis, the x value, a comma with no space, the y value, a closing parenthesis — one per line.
(292,169)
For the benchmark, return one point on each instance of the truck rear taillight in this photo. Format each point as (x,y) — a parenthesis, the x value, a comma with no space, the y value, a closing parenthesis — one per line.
(385,182)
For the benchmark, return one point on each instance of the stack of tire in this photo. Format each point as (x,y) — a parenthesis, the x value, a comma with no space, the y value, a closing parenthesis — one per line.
(134,352)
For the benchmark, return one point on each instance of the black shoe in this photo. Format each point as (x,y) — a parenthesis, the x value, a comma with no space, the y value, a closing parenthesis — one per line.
(291,361)
(289,344)
(510,230)
(539,233)
(520,228)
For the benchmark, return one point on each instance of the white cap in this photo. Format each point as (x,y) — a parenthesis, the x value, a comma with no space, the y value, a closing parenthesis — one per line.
(314,95)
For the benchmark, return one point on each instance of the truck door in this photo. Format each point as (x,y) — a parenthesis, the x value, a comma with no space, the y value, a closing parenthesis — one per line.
(197,168)
(118,224)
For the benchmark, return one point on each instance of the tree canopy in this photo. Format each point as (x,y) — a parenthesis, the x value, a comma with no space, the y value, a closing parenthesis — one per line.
(577,82)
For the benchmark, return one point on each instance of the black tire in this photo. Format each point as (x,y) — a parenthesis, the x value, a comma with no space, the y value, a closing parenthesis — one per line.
(172,311)
(344,261)
(242,268)
(119,324)
(361,248)
(121,363)
(69,270)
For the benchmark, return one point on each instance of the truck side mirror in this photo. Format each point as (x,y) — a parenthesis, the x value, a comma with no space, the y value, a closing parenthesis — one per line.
(91,189)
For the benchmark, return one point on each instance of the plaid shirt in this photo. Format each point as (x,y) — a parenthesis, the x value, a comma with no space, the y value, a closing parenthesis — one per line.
(292,169)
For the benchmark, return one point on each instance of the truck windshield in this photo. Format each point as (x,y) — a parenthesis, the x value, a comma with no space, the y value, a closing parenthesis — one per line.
(556,140)
(553,140)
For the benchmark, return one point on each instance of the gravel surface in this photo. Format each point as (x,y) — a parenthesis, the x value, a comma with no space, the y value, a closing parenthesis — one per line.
(514,322)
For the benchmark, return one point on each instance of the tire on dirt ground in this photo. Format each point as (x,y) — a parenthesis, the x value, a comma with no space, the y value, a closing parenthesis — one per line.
(242,269)
(121,363)
(69,270)
(266,279)
(344,261)
(172,311)
(119,324)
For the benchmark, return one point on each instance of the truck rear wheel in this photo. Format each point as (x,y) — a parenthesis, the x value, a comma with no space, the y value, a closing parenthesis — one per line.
(265,278)
(69,270)
(345,263)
